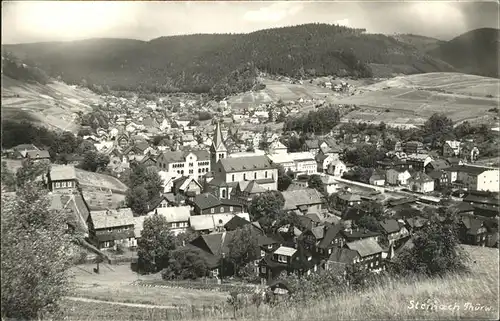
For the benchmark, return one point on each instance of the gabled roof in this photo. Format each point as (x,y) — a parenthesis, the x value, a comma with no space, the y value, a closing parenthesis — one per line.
(62,172)
(365,247)
(251,187)
(218,143)
(306,196)
(37,154)
(78,212)
(312,143)
(174,214)
(180,156)
(472,170)
(112,218)
(343,255)
(420,177)
(318,232)
(472,224)
(416,221)
(206,200)
(349,197)
(236,222)
(390,226)
(247,163)
(330,234)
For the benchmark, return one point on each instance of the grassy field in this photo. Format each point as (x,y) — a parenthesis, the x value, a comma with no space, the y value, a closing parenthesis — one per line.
(114,283)
(388,301)
(412,99)
(53,105)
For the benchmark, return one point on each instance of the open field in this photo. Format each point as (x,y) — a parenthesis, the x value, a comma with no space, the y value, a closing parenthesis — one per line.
(388,301)
(114,283)
(410,100)
(53,105)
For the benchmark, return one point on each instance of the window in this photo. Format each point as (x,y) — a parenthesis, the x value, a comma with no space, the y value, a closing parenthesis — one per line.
(255,175)
(265,174)
(58,185)
(263,269)
(232,177)
(190,171)
(223,193)
(182,171)
(244,176)
(190,164)
(63,184)
(109,230)
(230,208)
(174,225)
(212,210)
(222,209)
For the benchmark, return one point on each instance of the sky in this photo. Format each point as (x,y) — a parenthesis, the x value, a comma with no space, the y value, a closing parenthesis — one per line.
(36,21)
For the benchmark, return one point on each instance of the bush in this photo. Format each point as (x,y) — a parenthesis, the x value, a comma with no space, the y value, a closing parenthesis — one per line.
(120,248)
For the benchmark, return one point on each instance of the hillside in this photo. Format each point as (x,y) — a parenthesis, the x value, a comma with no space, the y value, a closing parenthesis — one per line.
(29,94)
(411,100)
(422,43)
(224,64)
(474,52)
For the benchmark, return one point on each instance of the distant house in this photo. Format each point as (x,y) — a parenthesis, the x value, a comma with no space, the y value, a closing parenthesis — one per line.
(451,148)
(418,162)
(324,160)
(177,217)
(194,163)
(472,231)
(469,152)
(348,199)
(207,203)
(113,227)
(393,230)
(370,254)
(475,178)
(307,200)
(62,179)
(332,238)
(377,179)
(421,183)
(208,223)
(283,259)
(245,191)
(340,259)
(38,155)
(336,168)
(187,186)
(397,176)
(311,145)
(413,147)
(331,185)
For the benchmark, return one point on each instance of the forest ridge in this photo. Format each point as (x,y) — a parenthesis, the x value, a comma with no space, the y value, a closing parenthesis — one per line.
(223,64)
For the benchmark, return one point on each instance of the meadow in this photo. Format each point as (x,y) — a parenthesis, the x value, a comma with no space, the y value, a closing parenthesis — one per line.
(390,300)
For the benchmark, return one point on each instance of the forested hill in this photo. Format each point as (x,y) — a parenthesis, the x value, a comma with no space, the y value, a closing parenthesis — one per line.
(474,52)
(224,63)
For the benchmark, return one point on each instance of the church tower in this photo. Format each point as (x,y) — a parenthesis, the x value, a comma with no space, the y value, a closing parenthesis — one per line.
(218,150)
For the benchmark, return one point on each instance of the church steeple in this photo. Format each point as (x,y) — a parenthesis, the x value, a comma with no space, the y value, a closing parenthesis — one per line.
(218,150)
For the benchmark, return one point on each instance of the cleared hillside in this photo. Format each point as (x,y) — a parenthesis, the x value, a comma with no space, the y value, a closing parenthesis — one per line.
(413,99)
(55,104)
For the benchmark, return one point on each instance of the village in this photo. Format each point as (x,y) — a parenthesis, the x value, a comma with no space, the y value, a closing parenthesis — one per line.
(212,171)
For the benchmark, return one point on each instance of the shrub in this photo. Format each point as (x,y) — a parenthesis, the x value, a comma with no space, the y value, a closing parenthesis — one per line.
(120,248)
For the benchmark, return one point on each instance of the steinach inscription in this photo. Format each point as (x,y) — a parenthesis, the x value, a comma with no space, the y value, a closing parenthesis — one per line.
(436,305)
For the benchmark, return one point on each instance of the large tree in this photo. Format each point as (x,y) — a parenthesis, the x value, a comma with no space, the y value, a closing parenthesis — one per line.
(93,161)
(266,207)
(34,255)
(155,244)
(284,178)
(316,183)
(185,263)
(437,129)
(137,200)
(243,248)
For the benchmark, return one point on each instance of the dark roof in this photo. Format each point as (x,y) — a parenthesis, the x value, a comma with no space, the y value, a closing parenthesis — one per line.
(421,177)
(439,164)
(401,201)
(236,222)
(472,224)
(359,234)
(353,213)
(23,147)
(37,154)
(239,164)
(330,234)
(416,221)
(312,143)
(365,247)
(343,255)
(212,261)
(435,174)
(473,170)
(477,198)
(206,200)
(180,156)
(390,226)
(263,240)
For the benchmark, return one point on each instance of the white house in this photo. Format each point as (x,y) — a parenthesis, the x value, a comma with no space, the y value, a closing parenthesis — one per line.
(177,218)
(331,185)
(337,168)
(451,148)
(421,183)
(397,176)
(476,178)
(299,162)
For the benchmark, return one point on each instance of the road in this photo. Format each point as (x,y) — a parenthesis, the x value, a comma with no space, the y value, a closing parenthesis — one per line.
(134,305)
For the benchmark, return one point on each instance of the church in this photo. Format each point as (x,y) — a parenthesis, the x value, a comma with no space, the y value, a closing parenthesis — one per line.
(228,172)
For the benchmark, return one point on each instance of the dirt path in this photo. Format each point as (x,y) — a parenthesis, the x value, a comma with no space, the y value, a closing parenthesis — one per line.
(134,305)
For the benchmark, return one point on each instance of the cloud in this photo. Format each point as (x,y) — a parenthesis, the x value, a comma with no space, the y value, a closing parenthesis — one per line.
(273,13)
(342,22)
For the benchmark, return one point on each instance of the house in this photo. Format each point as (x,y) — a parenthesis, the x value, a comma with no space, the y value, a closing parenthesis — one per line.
(213,222)
(176,217)
(307,200)
(212,247)
(277,147)
(340,258)
(370,254)
(38,155)
(377,179)
(418,162)
(62,179)
(160,202)
(393,230)
(311,145)
(451,148)
(437,165)
(397,176)
(78,214)
(195,163)
(421,183)
(229,171)
(299,162)
(472,231)
(324,160)
(440,178)
(415,223)
(245,191)
(281,260)
(332,237)
(348,199)
(336,168)
(207,203)
(413,147)
(113,227)
(475,178)
(351,235)
(469,152)
(330,184)
(186,186)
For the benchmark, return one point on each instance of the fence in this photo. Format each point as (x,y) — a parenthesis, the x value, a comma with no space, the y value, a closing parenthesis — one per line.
(206,284)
